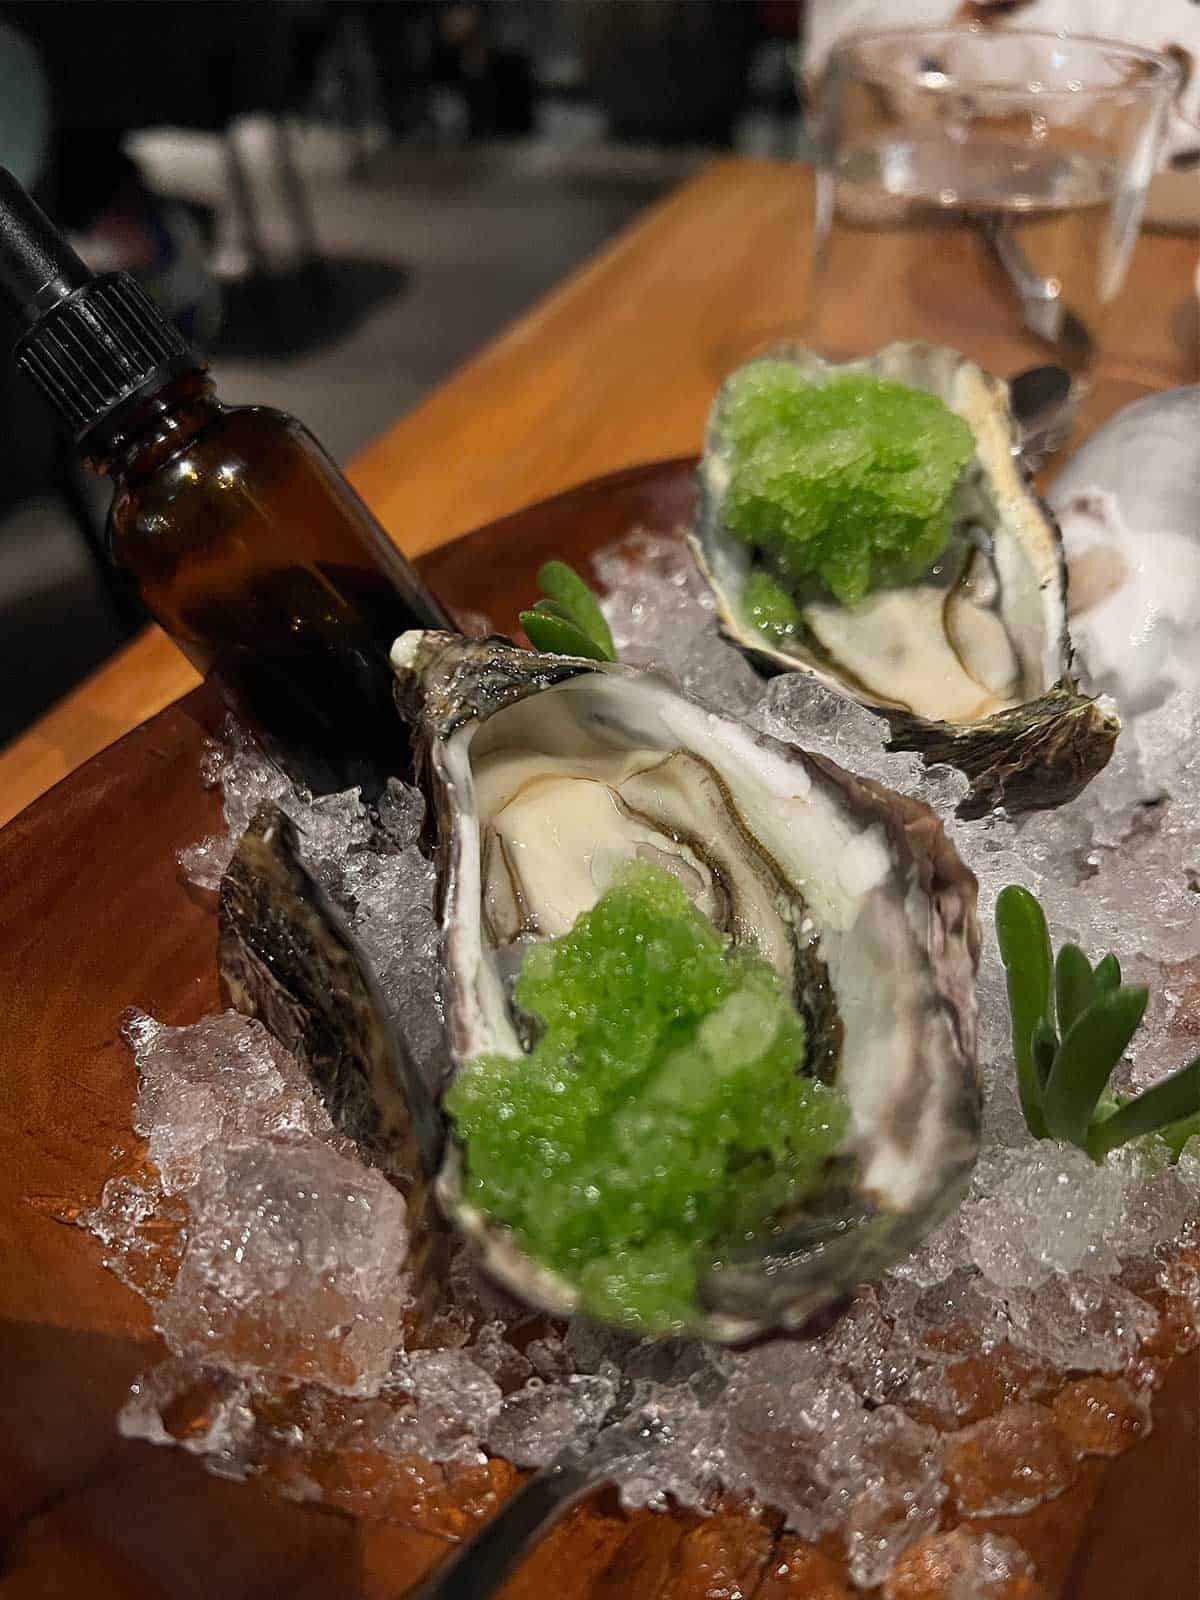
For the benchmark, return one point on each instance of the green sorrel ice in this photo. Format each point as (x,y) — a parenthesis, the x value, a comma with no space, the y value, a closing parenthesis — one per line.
(842,486)
(661,1117)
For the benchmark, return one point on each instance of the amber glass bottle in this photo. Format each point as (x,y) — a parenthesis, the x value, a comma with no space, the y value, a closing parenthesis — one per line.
(245,541)
(257,557)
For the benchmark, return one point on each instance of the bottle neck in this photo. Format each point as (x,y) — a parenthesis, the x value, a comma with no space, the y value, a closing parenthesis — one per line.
(137,439)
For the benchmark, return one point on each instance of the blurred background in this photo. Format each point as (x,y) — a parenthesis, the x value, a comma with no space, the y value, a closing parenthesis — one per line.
(339,202)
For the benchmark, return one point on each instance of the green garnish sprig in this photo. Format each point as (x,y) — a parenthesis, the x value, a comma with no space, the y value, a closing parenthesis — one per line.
(568,621)
(1071,1024)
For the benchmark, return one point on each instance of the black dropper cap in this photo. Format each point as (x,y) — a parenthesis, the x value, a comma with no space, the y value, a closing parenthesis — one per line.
(92,342)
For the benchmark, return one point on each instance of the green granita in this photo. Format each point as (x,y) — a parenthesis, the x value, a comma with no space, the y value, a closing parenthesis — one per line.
(660,1119)
(848,482)
(770,608)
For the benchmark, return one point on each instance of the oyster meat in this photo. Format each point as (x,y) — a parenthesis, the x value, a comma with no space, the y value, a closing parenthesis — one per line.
(971,662)
(547,773)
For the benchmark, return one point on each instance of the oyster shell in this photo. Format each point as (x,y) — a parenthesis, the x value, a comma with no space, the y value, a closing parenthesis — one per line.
(545,772)
(971,664)
(1128,504)
(287,956)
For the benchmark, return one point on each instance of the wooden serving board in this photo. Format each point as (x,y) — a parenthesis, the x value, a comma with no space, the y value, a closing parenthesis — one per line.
(93,919)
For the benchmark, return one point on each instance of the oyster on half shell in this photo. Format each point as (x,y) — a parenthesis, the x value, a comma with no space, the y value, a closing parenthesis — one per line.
(546,773)
(971,663)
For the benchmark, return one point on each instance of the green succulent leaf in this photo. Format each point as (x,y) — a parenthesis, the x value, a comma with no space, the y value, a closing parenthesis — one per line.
(567,589)
(1108,1102)
(1045,1047)
(1176,1134)
(1029,965)
(1108,973)
(554,634)
(1090,1050)
(1171,1109)
(1074,984)
(551,608)
(1064,1082)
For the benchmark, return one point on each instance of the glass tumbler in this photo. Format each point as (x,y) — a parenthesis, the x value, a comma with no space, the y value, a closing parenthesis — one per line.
(981,189)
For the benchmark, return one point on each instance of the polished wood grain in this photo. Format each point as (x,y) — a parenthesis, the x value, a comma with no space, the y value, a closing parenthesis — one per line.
(94,918)
(619,365)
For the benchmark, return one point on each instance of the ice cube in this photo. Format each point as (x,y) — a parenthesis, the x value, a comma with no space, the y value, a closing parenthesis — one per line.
(143,1232)
(1008,1463)
(1102,1416)
(783,1403)
(865,1349)
(221,1082)
(332,828)
(204,1410)
(939,1254)
(537,1421)
(801,711)
(1055,1211)
(670,1364)
(393,919)
(684,1459)
(247,779)
(294,1266)
(885,1471)
(662,613)
(961,1564)
(1079,1323)
(493,1352)
(456,1401)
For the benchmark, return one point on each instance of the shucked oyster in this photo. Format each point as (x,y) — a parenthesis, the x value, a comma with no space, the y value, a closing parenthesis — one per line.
(547,773)
(969,660)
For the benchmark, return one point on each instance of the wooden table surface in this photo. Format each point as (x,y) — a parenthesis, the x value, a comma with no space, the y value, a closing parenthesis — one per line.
(618,366)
